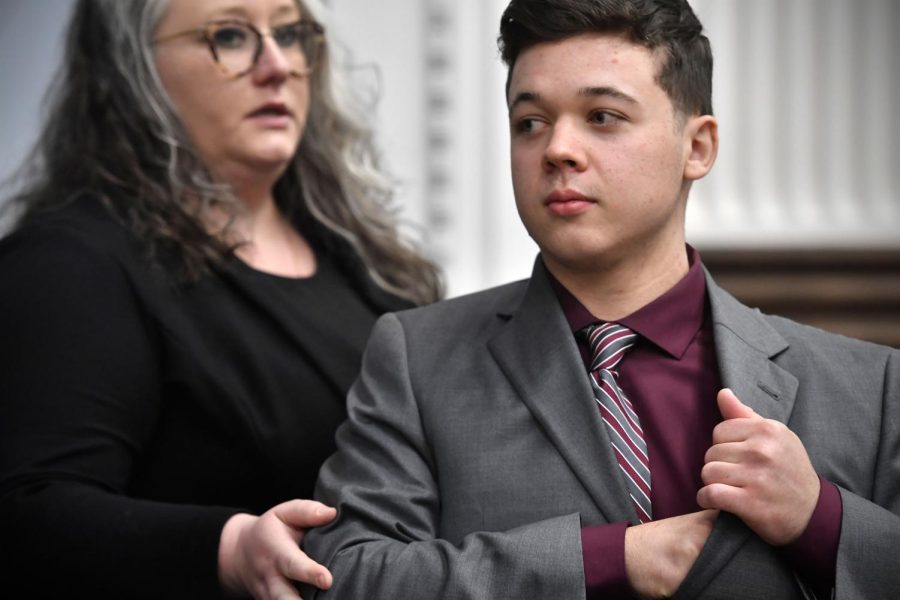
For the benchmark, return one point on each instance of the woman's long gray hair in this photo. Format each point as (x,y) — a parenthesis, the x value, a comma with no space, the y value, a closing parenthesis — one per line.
(111,132)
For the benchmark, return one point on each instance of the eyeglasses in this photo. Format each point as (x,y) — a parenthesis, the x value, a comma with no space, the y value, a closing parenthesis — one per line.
(236,45)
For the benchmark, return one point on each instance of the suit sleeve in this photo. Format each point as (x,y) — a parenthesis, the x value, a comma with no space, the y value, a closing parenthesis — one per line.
(867,560)
(386,542)
(79,401)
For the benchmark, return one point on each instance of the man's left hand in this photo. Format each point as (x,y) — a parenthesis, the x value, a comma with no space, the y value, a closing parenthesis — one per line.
(758,470)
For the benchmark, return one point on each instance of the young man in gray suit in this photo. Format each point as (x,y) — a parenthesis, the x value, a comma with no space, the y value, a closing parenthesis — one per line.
(617,425)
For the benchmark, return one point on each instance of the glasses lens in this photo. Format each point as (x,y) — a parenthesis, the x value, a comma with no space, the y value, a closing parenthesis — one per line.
(234,45)
(287,36)
(300,42)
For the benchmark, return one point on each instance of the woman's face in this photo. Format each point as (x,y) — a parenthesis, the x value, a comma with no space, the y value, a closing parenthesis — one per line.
(246,128)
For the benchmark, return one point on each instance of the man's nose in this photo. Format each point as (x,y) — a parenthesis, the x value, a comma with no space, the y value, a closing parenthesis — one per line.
(564,148)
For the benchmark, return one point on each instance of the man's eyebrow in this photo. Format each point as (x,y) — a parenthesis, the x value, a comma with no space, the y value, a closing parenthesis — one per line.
(603,90)
(524,97)
(587,92)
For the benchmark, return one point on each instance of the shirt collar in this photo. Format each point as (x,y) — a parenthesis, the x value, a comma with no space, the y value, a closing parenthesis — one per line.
(670,322)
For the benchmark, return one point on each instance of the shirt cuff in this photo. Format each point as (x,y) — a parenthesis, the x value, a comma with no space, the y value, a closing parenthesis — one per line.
(814,554)
(603,550)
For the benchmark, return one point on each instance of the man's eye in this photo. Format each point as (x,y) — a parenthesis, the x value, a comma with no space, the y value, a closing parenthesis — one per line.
(601,117)
(526,125)
(230,37)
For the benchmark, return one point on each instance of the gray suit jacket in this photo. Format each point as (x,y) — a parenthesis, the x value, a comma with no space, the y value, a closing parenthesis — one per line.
(474,454)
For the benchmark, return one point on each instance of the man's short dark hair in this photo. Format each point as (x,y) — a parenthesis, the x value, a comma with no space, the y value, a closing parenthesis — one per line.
(666,26)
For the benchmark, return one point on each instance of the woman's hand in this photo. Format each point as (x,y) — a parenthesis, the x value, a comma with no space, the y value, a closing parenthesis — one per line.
(261,556)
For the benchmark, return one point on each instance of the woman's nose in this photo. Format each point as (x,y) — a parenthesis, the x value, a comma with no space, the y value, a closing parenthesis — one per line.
(272,62)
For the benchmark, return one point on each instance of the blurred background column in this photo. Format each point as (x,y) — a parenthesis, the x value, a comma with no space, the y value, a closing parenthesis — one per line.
(442,121)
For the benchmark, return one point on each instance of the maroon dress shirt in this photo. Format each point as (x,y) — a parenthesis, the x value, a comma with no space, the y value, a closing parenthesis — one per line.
(671,377)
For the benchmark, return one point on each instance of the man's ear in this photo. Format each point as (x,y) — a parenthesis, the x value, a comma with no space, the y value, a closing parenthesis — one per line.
(701,134)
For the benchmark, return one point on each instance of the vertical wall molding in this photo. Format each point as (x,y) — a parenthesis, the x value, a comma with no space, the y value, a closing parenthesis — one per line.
(804,91)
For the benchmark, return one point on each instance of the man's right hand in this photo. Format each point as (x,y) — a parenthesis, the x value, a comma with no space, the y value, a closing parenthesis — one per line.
(659,554)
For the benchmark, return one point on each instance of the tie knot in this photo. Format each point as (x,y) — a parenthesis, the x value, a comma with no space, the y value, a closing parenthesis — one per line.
(609,342)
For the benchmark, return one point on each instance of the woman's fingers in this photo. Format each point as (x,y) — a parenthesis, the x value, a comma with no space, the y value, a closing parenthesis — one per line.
(302,514)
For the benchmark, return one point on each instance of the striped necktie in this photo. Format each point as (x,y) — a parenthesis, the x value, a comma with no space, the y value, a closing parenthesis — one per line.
(609,342)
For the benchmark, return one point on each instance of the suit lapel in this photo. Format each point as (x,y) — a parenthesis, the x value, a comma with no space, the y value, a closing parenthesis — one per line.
(538,354)
(745,347)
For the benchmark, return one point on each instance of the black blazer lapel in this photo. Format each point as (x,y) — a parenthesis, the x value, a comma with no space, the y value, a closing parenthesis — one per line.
(336,357)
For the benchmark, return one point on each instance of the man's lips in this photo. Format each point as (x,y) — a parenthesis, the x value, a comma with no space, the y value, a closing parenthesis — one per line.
(567,202)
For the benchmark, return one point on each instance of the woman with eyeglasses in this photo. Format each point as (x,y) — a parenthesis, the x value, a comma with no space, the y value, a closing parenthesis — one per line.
(202,246)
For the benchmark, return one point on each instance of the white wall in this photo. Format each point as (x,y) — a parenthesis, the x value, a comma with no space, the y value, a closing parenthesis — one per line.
(30,47)
(804,90)
(443,124)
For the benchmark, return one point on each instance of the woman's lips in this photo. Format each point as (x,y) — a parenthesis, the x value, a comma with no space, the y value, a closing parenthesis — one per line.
(272,115)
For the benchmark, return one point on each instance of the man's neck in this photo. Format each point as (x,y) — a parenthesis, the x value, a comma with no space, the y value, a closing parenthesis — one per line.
(614,289)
